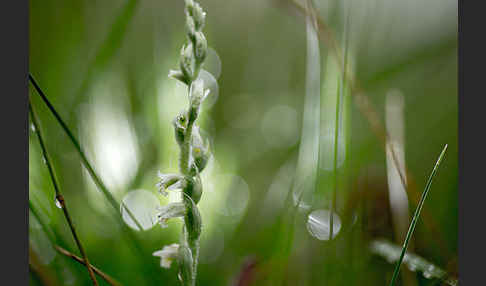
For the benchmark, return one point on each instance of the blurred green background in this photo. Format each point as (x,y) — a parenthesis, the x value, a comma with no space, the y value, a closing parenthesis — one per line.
(104,66)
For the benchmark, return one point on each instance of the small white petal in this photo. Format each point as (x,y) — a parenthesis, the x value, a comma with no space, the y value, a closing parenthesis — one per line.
(167,254)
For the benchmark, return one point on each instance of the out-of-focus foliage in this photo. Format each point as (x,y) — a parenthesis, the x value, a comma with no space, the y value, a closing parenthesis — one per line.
(104,66)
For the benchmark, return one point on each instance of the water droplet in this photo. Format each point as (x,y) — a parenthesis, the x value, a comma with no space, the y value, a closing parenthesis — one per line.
(318,224)
(44,160)
(213,63)
(58,203)
(236,194)
(32,127)
(211,84)
(143,205)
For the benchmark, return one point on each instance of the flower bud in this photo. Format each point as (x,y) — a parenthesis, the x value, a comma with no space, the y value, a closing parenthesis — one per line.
(199,16)
(201,47)
(189,5)
(196,94)
(180,123)
(186,60)
(191,28)
(194,188)
(177,74)
(199,151)
(192,219)
(184,258)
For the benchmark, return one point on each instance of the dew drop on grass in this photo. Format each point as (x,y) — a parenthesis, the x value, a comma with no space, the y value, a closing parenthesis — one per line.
(211,84)
(32,127)
(58,203)
(318,224)
(143,205)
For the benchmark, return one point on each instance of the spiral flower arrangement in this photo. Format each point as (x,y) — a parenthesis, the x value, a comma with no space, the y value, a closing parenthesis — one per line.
(194,153)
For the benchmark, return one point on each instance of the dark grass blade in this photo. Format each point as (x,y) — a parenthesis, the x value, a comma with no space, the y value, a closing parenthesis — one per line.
(147,270)
(59,196)
(81,153)
(416,216)
(63,251)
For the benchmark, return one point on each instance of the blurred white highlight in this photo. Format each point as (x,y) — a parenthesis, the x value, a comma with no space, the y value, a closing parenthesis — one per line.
(395,105)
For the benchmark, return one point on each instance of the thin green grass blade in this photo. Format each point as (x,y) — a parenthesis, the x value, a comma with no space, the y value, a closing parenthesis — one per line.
(340,97)
(84,160)
(305,179)
(137,246)
(59,196)
(307,162)
(416,216)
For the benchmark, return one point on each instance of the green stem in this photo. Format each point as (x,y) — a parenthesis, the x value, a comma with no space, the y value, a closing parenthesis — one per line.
(81,153)
(341,88)
(103,275)
(416,216)
(59,196)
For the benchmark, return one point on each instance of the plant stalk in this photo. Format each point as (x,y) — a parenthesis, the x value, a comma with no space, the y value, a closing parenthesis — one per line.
(59,196)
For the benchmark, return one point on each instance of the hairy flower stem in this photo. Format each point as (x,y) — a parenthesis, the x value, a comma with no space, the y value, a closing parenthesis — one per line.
(193,152)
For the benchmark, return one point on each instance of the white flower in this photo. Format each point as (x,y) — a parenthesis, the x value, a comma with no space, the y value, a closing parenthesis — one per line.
(171,210)
(167,254)
(169,182)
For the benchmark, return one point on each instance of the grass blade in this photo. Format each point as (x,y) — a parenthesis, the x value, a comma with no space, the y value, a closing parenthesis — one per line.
(416,216)
(59,196)
(103,275)
(81,153)
(63,251)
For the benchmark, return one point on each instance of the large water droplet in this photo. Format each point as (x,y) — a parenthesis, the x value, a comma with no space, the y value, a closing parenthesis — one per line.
(143,205)
(318,224)
(32,127)
(211,84)
(213,63)
(236,194)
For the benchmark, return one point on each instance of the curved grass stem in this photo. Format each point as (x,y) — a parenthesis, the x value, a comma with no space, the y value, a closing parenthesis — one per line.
(59,196)
(81,153)
(416,216)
